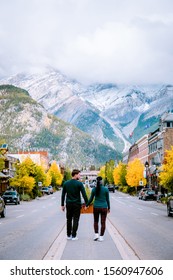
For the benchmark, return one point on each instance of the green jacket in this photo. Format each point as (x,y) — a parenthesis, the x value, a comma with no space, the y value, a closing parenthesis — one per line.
(72,190)
(101,200)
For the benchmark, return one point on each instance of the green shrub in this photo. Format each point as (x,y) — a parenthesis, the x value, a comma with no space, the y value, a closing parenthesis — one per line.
(25,197)
(127,189)
(131,190)
(124,189)
(40,193)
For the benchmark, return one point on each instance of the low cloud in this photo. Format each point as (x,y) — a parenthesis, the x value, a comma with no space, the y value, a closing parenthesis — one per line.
(92,41)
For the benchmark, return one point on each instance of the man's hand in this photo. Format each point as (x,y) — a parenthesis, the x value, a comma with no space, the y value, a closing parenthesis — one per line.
(63,208)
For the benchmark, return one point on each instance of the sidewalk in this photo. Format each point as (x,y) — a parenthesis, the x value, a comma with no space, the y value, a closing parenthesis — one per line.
(85,248)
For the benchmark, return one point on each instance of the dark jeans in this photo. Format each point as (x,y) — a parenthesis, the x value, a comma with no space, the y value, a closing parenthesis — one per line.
(102,212)
(73,215)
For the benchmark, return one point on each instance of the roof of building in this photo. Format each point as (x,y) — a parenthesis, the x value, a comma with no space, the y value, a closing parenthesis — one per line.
(167,117)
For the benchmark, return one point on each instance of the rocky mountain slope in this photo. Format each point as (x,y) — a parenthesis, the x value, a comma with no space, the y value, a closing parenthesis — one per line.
(115,115)
(25,124)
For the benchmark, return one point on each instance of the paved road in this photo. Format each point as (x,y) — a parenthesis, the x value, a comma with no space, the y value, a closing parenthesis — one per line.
(144,225)
(29,229)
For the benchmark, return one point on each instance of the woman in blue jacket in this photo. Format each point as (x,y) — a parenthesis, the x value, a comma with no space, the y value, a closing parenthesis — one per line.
(100,194)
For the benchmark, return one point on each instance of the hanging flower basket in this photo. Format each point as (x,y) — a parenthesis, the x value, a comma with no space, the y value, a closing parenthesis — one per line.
(89,210)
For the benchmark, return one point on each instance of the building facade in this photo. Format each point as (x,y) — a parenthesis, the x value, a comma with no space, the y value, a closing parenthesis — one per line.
(151,148)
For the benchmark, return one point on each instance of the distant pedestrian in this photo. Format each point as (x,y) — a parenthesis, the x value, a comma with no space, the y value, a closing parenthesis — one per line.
(72,191)
(100,194)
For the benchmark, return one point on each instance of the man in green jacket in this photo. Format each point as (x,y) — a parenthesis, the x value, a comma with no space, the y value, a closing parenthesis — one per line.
(72,190)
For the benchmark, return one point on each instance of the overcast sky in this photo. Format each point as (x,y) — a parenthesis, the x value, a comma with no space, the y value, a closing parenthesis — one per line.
(119,41)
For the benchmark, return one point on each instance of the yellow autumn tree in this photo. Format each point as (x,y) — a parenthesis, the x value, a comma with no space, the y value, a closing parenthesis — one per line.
(135,171)
(116,174)
(2,157)
(166,176)
(56,176)
(102,172)
(25,183)
(48,179)
(27,176)
(119,174)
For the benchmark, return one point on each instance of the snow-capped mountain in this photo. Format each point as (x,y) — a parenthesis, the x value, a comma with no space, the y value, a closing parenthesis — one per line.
(26,125)
(109,112)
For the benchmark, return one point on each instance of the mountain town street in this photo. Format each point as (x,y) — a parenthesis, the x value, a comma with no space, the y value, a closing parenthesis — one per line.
(136,229)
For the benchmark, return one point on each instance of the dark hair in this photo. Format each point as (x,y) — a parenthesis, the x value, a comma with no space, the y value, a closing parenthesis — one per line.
(98,184)
(75,172)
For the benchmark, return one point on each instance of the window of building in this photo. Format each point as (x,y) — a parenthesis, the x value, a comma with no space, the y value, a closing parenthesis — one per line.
(152,147)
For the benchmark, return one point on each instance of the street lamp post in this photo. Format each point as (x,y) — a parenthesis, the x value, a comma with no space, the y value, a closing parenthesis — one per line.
(147,174)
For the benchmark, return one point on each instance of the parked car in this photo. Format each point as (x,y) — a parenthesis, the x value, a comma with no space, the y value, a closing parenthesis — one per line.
(92,185)
(111,187)
(45,190)
(11,197)
(170,206)
(2,208)
(149,194)
(141,193)
(51,189)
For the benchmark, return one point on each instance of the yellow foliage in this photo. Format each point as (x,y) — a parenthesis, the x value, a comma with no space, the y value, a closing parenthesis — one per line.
(27,183)
(166,176)
(59,179)
(48,180)
(56,176)
(135,170)
(54,168)
(116,174)
(102,172)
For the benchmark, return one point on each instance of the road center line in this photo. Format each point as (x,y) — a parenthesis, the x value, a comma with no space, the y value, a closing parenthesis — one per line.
(19,216)
(154,214)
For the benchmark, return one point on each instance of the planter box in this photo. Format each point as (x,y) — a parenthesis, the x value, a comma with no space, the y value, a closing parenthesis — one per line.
(89,210)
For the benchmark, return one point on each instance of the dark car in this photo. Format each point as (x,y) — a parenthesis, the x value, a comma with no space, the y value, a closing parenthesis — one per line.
(45,190)
(149,194)
(111,187)
(170,206)
(11,197)
(2,208)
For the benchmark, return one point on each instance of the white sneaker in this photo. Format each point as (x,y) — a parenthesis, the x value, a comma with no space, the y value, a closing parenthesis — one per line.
(96,237)
(74,238)
(69,237)
(100,238)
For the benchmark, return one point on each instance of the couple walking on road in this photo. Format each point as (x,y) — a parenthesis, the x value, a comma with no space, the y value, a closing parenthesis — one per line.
(72,191)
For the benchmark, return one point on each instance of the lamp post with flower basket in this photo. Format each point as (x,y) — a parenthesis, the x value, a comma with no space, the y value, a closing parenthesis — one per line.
(147,172)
